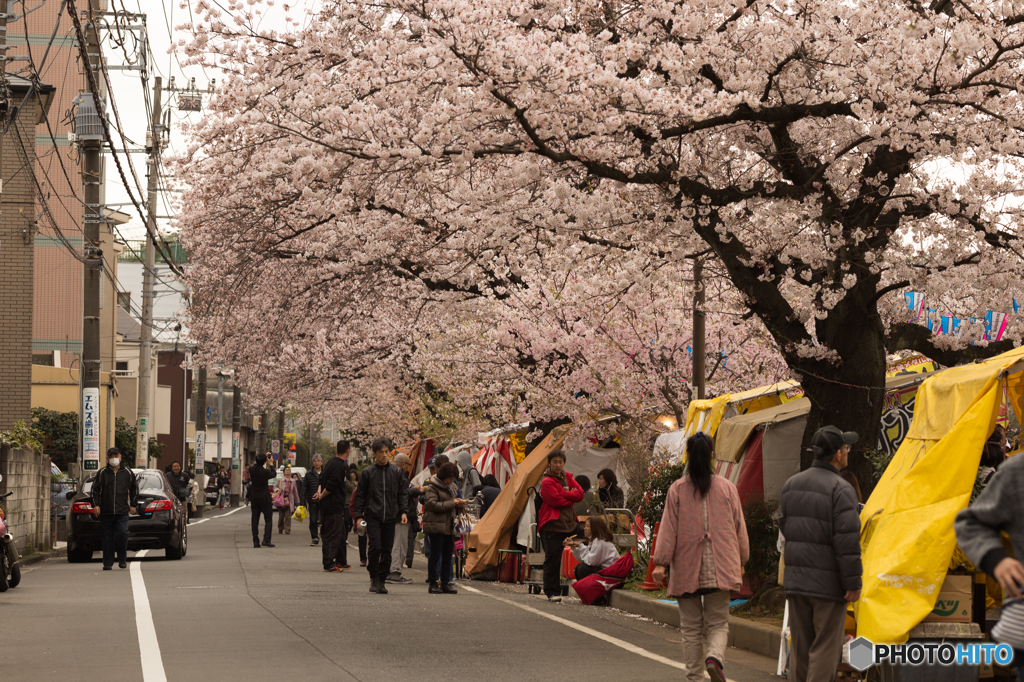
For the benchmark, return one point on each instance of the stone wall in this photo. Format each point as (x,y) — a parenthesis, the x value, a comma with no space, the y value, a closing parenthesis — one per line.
(28,510)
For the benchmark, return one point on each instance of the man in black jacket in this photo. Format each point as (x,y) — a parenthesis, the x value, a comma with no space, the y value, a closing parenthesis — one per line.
(310,485)
(259,476)
(821,529)
(114,494)
(381,499)
(333,502)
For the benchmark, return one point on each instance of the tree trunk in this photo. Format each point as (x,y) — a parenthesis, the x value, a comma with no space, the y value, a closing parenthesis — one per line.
(851,394)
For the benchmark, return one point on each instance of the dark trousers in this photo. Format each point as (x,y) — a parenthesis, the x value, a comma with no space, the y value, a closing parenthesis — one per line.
(114,528)
(315,518)
(362,548)
(583,570)
(262,506)
(334,549)
(553,561)
(439,567)
(380,541)
(413,530)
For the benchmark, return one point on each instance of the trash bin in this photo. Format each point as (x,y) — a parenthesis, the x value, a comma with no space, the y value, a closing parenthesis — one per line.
(939,633)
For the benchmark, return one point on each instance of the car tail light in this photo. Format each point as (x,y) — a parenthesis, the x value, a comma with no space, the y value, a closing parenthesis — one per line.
(159,505)
(81,508)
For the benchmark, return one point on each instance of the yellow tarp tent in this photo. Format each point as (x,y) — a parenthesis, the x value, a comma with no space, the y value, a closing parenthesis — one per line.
(494,530)
(907,536)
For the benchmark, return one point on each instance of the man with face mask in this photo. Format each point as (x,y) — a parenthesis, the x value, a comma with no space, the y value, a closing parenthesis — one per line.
(381,499)
(259,476)
(114,494)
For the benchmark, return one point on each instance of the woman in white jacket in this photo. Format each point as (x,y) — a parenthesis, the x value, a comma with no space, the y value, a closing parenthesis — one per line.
(598,552)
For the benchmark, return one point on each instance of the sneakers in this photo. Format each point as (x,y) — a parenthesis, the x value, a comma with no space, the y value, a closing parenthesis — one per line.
(334,569)
(347,566)
(399,580)
(362,562)
(554,598)
(434,588)
(108,568)
(122,564)
(714,668)
(448,589)
(316,541)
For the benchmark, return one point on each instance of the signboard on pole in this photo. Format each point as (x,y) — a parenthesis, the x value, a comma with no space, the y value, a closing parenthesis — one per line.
(275,447)
(90,429)
(291,455)
(200,442)
(142,447)
(234,450)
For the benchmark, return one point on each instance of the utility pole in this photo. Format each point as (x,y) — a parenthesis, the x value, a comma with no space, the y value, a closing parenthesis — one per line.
(200,472)
(698,327)
(220,415)
(280,436)
(89,129)
(146,334)
(261,438)
(236,433)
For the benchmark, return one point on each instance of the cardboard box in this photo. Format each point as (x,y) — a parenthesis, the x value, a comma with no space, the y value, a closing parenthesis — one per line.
(955,601)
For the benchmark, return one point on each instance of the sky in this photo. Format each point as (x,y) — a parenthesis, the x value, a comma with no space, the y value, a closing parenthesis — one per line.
(166,21)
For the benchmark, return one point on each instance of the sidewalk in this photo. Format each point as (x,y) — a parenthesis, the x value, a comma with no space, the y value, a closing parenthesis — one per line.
(61,550)
(760,638)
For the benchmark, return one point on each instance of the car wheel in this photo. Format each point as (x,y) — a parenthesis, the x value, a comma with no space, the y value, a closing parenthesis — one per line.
(79,556)
(176,552)
(3,571)
(184,541)
(15,575)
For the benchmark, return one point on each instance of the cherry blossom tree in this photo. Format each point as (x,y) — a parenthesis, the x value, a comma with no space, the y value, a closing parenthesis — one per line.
(412,157)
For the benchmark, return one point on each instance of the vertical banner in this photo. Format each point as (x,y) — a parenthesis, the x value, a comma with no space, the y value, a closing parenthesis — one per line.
(235,436)
(90,429)
(200,462)
(142,447)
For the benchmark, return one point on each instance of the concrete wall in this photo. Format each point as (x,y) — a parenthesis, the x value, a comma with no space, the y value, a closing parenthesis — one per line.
(28,510)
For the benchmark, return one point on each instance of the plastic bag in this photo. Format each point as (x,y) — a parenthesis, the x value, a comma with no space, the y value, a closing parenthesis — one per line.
(300,513)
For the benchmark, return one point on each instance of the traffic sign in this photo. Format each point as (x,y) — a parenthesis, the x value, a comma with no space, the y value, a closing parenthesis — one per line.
(275,447)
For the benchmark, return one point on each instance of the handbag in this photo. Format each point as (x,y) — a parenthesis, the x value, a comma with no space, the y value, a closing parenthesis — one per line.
(279,499)
(462,524)
(1010,628)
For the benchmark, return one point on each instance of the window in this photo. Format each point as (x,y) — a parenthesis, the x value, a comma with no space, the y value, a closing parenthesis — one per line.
(124,299)
(45,359)
(121,365)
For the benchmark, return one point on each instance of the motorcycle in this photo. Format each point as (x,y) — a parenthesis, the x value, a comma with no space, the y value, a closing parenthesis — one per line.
(10,571)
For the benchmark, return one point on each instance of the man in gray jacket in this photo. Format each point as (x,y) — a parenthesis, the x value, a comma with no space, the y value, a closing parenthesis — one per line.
(999,508)
(819,522)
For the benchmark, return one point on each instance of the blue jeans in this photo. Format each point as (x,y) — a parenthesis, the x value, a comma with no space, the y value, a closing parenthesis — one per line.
(114,530)
(442,548)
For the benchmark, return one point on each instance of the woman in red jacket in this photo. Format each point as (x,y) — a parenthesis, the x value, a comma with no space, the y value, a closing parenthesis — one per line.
(556,521)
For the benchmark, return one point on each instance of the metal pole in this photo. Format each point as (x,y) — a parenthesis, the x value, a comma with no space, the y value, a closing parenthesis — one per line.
(280,436)
(92,169)
(200,472)
(261,438)
(698,327)
(236,454)
(146,334)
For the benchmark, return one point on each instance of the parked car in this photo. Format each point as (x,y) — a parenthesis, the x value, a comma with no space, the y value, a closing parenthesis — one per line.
(59,489)
(158,523)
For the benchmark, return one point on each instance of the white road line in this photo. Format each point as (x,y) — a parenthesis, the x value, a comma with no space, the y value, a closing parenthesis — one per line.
(622,644)
(219,516)
(149,647)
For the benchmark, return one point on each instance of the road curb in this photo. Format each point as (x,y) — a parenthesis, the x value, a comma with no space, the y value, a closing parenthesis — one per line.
(43,556)
(760,638)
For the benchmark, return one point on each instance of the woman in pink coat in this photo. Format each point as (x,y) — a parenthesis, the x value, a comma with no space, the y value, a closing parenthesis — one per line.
(702,546)
(285,496)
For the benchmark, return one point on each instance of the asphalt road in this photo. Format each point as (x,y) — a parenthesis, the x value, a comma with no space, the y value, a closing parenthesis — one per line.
(228,611)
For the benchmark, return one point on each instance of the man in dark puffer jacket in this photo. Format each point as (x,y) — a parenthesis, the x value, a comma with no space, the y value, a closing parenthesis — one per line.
(819,522)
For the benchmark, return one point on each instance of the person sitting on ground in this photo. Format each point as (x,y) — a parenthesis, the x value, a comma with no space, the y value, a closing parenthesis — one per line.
(490,491)
(599,550)
(608,490)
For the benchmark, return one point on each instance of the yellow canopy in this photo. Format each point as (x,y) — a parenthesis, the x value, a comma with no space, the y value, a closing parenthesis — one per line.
(907,536)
